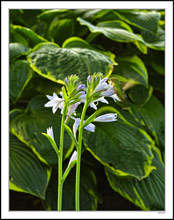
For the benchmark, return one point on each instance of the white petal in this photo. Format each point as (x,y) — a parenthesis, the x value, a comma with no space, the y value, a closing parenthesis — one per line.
(49,97)
(90,127)
(50,104)
(55,97)
(92,105)
(106,118)
(72,108)
(75,126)
(50,132)
(115,97)
(73,157)
(102,99)
(55,107)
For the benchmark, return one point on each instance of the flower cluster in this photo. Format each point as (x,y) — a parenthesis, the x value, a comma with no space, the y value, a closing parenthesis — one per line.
(74,93)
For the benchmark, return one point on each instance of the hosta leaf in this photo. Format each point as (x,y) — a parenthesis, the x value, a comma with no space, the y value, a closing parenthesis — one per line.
(27,33)
(38,85)
(122,147)
(153,41)
(56,63)
(17,50)
(151,115)
(50,14)
(116,31)
(131,69)
(29,125)
(61,29)
(27,173)
(145,20)
(20,74)
(148,193)
(88,191)
(140,94)
(76,42)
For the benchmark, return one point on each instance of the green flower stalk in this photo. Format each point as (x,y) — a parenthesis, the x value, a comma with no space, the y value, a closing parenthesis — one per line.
(72,95)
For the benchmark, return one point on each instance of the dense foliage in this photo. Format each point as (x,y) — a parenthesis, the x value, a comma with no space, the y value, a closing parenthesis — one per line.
(48,45)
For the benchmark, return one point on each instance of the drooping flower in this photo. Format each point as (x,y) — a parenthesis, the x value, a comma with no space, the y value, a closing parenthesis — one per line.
(54,102)
(50,132)
(90,127)
(106,118)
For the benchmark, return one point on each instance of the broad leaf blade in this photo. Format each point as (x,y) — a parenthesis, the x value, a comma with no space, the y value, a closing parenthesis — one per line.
(151,115)
(29,125)
(122,147)
(17,50)
(144,20)
(56,63)
(131,69)
(148,193)
(116,31)
(20,75)
(26,171)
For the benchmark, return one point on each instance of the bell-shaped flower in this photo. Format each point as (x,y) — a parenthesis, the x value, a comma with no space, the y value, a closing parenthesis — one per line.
(90,127)
(50,132)
(54,102)
(106,118)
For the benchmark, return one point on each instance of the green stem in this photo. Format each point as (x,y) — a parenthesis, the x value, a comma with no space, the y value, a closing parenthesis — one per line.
(79,158)
(60,161)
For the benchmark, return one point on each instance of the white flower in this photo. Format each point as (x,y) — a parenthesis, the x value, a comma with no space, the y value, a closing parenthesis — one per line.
(110,93)
(90,127)
(102,85)
(72,108)
(54,102)
(106,118)
(73,157)
(75,126)
(50,132)
(92,104)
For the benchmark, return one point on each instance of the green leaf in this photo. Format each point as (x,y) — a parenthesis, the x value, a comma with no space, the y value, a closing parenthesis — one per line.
(131,69)
(17,50)
(140,94)
(20,75)
(153,41)
(27,173)
(76,42)
(61,29)
(148,193)
(144,20)
(88,191)
(116,31)
(57,63)
(122,147)
(151,116)
(29,125)
(48,15)
(27,33)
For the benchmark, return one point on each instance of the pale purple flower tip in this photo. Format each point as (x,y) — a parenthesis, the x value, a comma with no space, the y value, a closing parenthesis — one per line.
(66,80)
(89,78)
(81,86)
(95,78)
